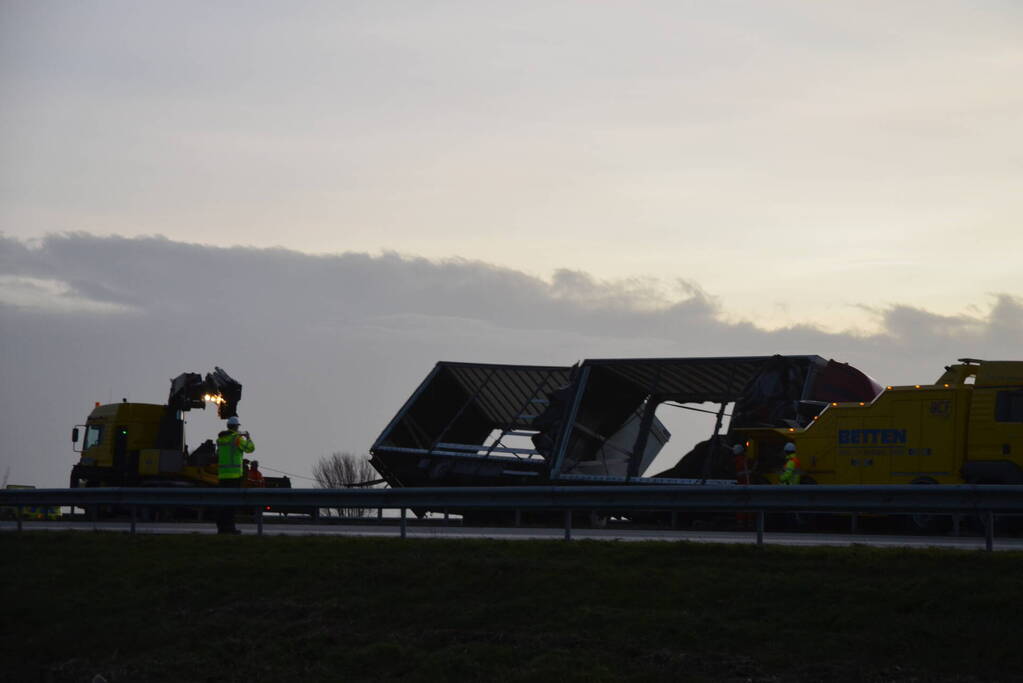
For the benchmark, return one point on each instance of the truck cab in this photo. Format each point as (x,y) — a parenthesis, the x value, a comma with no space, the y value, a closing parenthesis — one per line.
(131,444)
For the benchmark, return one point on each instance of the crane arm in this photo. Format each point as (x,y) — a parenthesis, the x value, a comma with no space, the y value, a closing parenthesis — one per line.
(190,390)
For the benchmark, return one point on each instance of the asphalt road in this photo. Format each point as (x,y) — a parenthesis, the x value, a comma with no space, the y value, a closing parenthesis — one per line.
(455,530)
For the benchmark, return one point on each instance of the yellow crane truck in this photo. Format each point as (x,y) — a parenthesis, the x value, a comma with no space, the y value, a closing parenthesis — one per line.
(967,427)
(143,444)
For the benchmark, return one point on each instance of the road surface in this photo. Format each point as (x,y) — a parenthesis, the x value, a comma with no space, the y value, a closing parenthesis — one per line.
(391,529)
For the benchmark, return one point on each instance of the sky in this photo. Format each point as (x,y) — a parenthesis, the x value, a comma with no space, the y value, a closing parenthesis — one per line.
(327,198)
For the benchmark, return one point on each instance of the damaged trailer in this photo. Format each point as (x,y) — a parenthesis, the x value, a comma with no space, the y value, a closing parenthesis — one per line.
(475,424)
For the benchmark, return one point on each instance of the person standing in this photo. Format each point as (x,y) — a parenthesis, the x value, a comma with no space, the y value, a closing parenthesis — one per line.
(231,444)
(790,473)
(254,476)
(742,465)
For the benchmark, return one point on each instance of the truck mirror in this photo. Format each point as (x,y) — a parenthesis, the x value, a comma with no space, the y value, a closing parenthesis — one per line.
(74,435)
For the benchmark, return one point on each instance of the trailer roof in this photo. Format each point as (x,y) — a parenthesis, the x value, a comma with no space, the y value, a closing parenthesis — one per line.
(508,394)
(692,380)
(467,400)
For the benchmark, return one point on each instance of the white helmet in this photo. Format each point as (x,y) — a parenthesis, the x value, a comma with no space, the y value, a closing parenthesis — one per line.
(233,421)
(790,447)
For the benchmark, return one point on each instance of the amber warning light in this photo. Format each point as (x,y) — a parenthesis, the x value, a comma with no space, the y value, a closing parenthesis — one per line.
(214,398)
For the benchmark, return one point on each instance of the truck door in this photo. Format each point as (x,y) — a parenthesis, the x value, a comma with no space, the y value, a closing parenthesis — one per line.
(937,444)
(121,448)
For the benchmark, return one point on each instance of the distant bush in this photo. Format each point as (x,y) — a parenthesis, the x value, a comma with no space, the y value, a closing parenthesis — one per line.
(344,470)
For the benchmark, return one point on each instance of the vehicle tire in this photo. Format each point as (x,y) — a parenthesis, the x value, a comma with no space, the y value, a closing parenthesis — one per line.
(978,522)
(926,523)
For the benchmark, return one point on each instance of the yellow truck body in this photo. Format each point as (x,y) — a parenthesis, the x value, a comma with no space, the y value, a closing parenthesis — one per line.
(965,428)
(130,443)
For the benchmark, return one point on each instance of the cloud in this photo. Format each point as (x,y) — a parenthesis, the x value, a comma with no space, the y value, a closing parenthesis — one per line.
(329,346)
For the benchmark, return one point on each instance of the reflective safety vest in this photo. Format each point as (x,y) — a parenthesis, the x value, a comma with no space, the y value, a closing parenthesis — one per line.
(790,474)
(230,446)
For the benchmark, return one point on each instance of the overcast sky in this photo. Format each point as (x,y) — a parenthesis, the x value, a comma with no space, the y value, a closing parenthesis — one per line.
(327,198)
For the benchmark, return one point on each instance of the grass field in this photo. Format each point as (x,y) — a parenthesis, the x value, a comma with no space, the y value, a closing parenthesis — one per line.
(207,608)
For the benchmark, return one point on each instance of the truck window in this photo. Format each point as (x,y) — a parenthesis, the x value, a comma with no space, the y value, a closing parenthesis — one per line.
(93,435)
(1009,406)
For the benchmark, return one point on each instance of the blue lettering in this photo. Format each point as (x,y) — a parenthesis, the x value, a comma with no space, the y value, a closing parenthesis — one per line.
(867,437)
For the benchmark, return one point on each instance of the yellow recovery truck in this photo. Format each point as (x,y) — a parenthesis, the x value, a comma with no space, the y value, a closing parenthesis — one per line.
(143,444)
(967,427)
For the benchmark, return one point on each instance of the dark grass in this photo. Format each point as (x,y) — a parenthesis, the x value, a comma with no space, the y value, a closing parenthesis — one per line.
(202,608)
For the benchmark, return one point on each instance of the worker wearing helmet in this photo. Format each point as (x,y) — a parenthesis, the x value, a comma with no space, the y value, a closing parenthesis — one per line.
(253,476)
(230,445)
(790,472)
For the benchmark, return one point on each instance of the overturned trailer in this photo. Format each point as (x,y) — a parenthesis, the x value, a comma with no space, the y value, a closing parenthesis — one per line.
(474,424)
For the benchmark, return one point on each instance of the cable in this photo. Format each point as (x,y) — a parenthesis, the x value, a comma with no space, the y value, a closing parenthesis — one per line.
(699,410)
(297,476)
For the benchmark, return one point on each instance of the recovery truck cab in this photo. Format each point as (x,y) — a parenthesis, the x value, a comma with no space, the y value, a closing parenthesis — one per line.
(967,427)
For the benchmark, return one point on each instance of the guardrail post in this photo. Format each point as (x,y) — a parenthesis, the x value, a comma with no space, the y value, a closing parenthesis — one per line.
(989,524)
(568,525)
(404,523)
(955,524)
(380,513)
(259,521)
(674,519)
(518,517)
(446,517)
(853,523)
(760,527)
(18,515)
(134,518)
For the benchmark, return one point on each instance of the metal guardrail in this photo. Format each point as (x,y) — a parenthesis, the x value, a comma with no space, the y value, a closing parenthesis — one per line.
(984,501)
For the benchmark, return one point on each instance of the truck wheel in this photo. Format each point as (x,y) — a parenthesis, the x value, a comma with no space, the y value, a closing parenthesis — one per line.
(925,523)
(1003,525)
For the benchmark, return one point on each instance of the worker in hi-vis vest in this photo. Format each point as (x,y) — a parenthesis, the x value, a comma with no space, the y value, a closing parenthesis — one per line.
(231,444)
(790,472)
